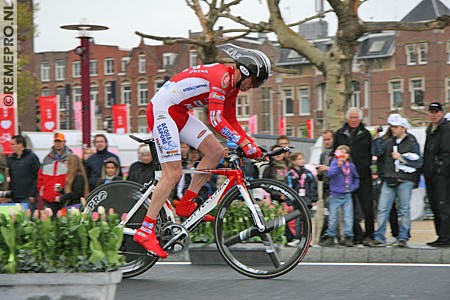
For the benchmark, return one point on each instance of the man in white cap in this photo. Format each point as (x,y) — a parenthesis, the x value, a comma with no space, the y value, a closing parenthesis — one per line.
(401,161)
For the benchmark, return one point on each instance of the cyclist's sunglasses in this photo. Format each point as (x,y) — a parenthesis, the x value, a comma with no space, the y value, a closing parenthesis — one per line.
(255,82)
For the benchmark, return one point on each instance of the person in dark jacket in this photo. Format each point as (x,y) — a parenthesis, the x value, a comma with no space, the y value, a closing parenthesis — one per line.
(143,170)
(75,186)
(436,169)
(359,139)
(23,167)
(94,163)
(401,163)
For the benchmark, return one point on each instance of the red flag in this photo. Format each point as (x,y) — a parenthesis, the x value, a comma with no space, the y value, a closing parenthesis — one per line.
(310,128)
(49,113)
(282,126)
(120,118)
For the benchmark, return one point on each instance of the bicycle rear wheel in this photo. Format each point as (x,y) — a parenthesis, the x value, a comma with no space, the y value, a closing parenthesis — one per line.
(121,195)
(263,254)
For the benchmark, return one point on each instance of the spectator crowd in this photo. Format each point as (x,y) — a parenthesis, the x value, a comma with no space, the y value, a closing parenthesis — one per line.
(363,182)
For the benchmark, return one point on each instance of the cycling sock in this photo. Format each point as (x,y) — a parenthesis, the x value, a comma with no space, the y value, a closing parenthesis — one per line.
(146,236)
(188,196)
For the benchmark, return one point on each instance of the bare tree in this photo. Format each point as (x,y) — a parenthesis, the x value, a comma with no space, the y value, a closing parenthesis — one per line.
(209,37)
(335,63)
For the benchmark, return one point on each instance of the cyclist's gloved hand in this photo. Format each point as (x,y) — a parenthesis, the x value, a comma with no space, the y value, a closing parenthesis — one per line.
(252,151)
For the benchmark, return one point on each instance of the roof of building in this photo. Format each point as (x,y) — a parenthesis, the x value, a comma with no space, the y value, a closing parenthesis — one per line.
(377,45)
(427,10)
(292,57)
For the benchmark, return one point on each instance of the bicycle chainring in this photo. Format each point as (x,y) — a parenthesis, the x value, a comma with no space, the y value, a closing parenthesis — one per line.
(174,238)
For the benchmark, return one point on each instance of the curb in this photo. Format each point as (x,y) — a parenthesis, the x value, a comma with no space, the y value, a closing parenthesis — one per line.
(338,254)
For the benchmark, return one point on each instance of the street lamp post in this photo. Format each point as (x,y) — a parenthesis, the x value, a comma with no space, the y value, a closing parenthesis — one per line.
(83,52)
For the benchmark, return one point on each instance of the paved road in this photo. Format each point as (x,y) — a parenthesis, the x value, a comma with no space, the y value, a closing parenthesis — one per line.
(307,281)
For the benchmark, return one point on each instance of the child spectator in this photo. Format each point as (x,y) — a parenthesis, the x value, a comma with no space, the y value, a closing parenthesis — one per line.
(110,171)
(303,182)
(344,179)
(276,169)
(76,185)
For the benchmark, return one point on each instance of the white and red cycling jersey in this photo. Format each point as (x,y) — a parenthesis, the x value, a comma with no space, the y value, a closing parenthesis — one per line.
(168,114)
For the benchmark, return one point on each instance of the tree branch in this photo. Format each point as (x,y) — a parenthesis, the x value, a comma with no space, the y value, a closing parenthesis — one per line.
(319,15)
(170,40)
(439,23)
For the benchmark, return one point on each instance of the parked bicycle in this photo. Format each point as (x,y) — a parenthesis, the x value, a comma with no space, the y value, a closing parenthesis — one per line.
(262,207)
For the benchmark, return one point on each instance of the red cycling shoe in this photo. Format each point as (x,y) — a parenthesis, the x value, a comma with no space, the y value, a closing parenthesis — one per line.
(186,208)
(150,243)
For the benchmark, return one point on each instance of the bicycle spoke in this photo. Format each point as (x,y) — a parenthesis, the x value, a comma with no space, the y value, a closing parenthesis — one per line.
(270,249)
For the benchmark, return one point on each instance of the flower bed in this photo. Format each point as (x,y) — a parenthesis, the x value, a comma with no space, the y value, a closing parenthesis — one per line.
(68,242)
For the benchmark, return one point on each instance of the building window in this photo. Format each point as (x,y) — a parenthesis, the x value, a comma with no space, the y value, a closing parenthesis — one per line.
(417,89)
(142,93)
(448,52)
(422,50)
(447,90)
(355,100)
(61,94)
(320,96)
(142,63)
(168,59)
(411,58)
(158,83)
(94,98)
(242,107)
(45,71)
(76,69)
(396,93)
(142,123)
(192,58)
(108,95)
(288,102)
(93,68)
(46,92)
(60,70)
(305,101)
(123,64)
(76,93)
(290,130)
(126,93)
(266,110)
(109,66)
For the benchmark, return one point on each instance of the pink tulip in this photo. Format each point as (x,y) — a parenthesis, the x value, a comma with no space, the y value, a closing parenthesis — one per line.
(124,217)
(95,216)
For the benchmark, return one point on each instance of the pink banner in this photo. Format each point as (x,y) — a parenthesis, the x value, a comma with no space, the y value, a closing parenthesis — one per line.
(253,124)
(120,118)
(77,114)
(48,106)
(8,127)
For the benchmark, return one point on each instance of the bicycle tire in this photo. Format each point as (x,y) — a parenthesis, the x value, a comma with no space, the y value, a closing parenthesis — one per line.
(262,255)
(121,195)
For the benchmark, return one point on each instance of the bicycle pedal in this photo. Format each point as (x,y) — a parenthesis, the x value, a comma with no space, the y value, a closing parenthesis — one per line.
(174,238)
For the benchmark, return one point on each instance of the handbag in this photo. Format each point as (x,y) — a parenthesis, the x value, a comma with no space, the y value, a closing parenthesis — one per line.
(392,181)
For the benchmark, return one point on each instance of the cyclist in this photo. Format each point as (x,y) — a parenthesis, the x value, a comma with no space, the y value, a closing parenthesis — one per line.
(215,86)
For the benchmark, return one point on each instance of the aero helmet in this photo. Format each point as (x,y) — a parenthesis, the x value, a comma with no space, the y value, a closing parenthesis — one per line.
(251,63)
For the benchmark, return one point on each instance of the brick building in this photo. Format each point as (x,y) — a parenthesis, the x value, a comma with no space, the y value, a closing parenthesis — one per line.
(393,72)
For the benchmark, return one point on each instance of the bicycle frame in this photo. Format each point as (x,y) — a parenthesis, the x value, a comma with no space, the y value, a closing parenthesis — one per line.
(234,177)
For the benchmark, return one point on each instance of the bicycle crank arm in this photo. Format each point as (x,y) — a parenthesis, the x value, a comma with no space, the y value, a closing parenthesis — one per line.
(270,226)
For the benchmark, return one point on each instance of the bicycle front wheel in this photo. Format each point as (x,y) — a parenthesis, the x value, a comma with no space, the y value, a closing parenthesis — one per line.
(121,196)
(276,250)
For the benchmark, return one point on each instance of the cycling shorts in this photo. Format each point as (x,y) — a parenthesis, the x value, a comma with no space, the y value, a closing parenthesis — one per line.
(168,132)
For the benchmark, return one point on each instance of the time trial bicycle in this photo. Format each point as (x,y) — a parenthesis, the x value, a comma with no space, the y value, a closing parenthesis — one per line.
(261,207)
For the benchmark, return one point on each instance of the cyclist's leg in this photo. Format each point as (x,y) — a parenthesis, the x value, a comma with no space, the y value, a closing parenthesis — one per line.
(167,139)
(196,134)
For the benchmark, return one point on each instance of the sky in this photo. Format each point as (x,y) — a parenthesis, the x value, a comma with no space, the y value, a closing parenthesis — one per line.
(171,18)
